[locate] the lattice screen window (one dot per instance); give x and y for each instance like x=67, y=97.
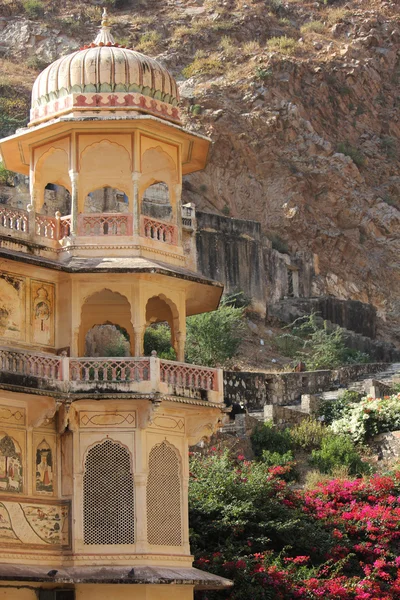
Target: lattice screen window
x=164, y=517
x=108, y=504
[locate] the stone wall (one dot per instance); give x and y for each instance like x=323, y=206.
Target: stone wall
x=254, y=390
x=387, y=445
x=230, y=250
x=235, y=252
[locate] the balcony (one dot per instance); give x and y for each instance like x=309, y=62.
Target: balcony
x=146, y=375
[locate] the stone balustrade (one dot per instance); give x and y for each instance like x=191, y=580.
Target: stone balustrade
x=147, y=375
x=93, y=225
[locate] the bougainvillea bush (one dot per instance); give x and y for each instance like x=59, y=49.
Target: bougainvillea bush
x=340, y=540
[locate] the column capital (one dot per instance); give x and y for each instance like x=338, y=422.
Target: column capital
x=136, y=175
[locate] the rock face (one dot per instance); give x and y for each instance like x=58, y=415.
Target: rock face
x=305, y=142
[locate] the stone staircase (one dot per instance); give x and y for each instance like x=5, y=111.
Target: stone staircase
x=362, y=385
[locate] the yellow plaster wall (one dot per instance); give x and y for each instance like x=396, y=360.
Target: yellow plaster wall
x=12, y=592
x=133, y=592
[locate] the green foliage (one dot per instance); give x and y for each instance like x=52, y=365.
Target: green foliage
x=34, y=8
x=389, y=145
x=369, y=417
x=236, y=299
x=158, y=338
x=282, y=44
x=267, y=437
x=289, y=344
x=148, y=41
x=263, y=73
x=313, y=26
x=212, y=338
x=337, y=451
x=196, y=110
x=36, y=63
x=226, y=210
x=309, y=434
x=234, y=506
x=355, y=154
x=331, y=410
x=6, y=177
x=203, y=64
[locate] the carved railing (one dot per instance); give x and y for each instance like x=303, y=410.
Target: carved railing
x=159, y=231
x=111, y=370
x=46, y=226
x=64, y=227
x=143, y=374
x=105, y=224
x=188, y=376
x=45, y=366
x=14, y=219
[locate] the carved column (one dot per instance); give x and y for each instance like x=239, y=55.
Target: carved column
x=74, y=201
x=138, y=340
x=180, y=346
x=135, y=200
x=140, y=482
x=185, y=513
x=178, y=198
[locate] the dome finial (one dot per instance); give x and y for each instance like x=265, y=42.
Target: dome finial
x=104, y=37
x=105, y=22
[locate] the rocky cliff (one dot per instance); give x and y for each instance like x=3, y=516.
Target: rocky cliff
x=301, y=100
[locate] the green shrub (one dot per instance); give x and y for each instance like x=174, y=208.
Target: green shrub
x=276, y=459
x=212, y=338
x=267, y=437
x=36, y=63
x=34, y=8
x=263, y=73
x=236, y=299
x=331, y=410
x=313, y=26
x=148, y=41
x=337, y=451
x=309, y=434
x=355, y=154
x=158, y=338
x=389, y=146
x=288, y=344
x=203, y=64
x=283, y=44
x=6, y=177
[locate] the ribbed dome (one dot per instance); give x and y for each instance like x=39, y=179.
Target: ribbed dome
x=116, y=76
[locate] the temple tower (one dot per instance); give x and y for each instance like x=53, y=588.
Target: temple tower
x=94, y=445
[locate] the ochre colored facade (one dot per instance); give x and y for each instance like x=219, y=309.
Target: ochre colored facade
x=94, y=449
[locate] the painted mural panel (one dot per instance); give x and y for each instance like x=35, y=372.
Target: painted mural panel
x=11, y=469
x=42, y=307
x=44, y=466
x=12, y=306
x=34, y=524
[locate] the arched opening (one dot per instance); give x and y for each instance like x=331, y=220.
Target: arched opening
x=108, y=499
x=105, y=307
x=57, y=198
x=162, y=326
x=52, y=175
x=156, y=202
x=104, y=164
x=106, y=199
x=107, y=340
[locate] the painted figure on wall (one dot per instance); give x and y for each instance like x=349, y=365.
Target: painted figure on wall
x=10, y=464
x=42, y=312
x=44, y=468
x=12, y=306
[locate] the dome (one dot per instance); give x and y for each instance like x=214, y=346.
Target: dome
x=104, y=77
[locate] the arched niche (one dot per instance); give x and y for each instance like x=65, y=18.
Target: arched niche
x=11, y=464
x=156, y=202
x=107, y=340
x=57, y=198
x=104, y=164
x=105, y=307
x=106, y=199
x=44, y=469
x=52, y=167
x=160, y=309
